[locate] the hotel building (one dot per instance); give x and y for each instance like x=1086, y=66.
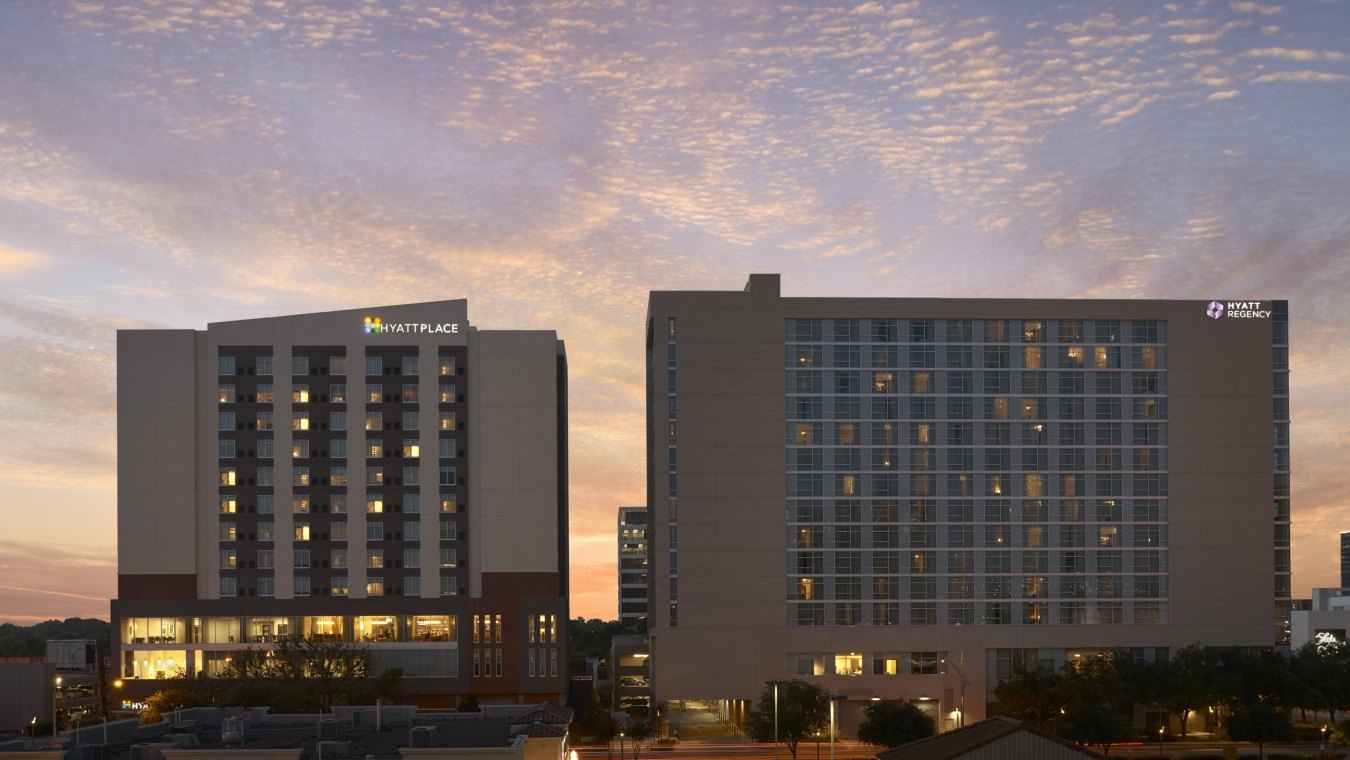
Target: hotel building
x=393, y=478
x=913, y=498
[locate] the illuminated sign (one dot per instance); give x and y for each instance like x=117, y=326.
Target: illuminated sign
x=1236, y=310
x=377, y=325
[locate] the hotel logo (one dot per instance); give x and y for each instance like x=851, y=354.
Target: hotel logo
x=1237, y=310
x=376, y=325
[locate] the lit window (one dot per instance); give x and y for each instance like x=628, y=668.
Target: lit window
x=374, y=503
x=264, y=420
x=339, y=586
x=848, y=664
x=300, y=421
x=226, y=394
x=338, y=477
x=411, y=449
x=300, y=504
x=447, y=420
x=375, y=558
x=374, y=420
x=264, y=393
x=410, y=394
x=301, y=531
x=299, y=476
x=300, y=448
x=228, y=561
x=448, y=503
x=374, y=392
x=227, y=476
x=337, y=393
x=227, y=531
x=375, y=586
x=300, y=393
x=447, y=365
x=447, y=394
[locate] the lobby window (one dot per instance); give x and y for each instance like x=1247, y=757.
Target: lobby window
x=925, y=663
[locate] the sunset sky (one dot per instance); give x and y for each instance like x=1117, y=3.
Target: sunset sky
x=170, y=164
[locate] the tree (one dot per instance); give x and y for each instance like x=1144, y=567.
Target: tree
x=1260, y=723
x=1087, y=724
x=1184, y=684
x=1034, y=696
x=890, y=724
x=591, y=638
x=639, y=730
x=469, y=704
x=802, y=710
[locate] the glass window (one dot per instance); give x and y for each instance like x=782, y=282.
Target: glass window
x=374, y=365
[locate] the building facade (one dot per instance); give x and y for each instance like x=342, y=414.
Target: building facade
x=913, y=498
x=1345, y=559
x=632, y=563
x=394, y=478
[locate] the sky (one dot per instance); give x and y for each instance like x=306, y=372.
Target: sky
x=175, y=163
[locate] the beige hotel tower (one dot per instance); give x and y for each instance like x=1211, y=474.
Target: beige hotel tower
x=393, y=478
x=910, y=498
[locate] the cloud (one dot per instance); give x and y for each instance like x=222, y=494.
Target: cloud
x=1222, y=95
x=14, y=261
x=1302, y=76
x=1250, y=7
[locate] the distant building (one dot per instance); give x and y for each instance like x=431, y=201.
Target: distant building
x=1327, y=618
x=633, y=566
x=73, y=654
x=631, y=671
x=1345, y=559
x=392, y=477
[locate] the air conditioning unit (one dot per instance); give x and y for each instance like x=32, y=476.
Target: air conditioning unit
x=332, y=730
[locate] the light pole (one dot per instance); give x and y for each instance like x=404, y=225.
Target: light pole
x=1161, y=729
x=55, y=719
x=620, y=745
x=961, y=712
x=775, y=720
x=833, y=698
x=1323, y=748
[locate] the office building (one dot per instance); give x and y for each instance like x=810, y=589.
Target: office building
x=633, y=567
x=393, y=477
x=1345, y=559
x=913, y=498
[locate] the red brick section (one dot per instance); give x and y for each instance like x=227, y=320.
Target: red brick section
x=182, y=586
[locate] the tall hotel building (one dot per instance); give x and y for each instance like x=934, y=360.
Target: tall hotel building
x=913, y=498
x=393, y=478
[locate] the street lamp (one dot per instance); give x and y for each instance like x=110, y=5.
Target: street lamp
x=54, y=715
x=961, y=712
x=775, y=720
x=1161, y=729
x=32, y=730
x=1324, y=739
x=833, y=698
x=620, y=745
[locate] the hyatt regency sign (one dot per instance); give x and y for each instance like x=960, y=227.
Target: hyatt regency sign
x=1237, y=310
